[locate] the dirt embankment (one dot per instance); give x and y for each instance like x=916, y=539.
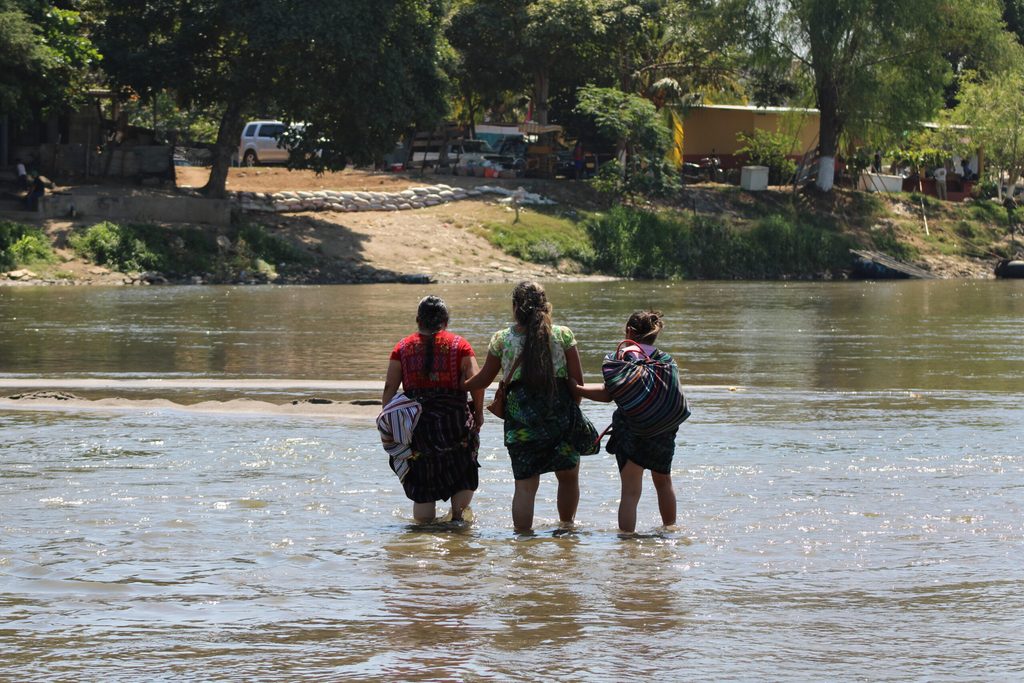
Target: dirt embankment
x=435, y=243
x=431, y=244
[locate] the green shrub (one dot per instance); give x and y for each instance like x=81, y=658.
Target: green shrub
x=32, y=248
x=22, y=244
x=262, y=245
x=182, y=250
x=789, y=248
x=609, y=182
x=767, y=148
x=713, y=250
x=126, y=247
x=643, y=244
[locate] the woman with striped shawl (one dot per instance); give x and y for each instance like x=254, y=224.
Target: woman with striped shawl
x=430, y=365
x=635, y=452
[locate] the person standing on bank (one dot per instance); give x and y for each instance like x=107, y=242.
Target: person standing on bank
x=430, y=365
x=22, y=173
x=544, y=428
x=940, y=181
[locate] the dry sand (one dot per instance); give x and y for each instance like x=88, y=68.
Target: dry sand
x=358, y=411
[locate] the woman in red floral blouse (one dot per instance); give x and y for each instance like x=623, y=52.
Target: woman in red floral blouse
x=429, y=365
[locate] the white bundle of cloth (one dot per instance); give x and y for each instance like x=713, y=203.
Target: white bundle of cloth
x=396, y=423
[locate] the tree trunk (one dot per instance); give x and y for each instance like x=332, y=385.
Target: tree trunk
x=541, y=86
x=829, y=128
x=228, y=135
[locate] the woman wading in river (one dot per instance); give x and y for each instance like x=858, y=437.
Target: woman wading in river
x=430, y=365
x=544, y=429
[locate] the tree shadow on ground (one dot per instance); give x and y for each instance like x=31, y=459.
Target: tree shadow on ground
x=336, y=253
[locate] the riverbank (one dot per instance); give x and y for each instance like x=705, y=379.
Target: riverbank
x=478, y=239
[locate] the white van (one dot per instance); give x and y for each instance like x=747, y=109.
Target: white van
x=260, y=143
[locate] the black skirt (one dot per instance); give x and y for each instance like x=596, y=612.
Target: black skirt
x=444, y=447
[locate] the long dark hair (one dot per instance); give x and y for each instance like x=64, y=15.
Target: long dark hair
x=533, y=312
x=645, y=326
x=432, y=317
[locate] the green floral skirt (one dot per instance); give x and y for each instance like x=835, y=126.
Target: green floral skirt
x=545, y=434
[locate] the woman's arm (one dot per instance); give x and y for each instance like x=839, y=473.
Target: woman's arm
x=486, y=375
x=392, y=381
x=595, y=392
x=574, y=366
x=469, y=369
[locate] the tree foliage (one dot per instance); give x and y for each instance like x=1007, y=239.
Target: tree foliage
x=357, y=72
x=872, y=63
x=46, y=56
x=545, y=49
x=643, y=141
x=990, y=115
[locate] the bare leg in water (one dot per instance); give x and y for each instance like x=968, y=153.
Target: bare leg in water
x=666, y=497
x=424, y=513
x=632, y=486
x=460, y=501
x=568, y=493
x=522, y=502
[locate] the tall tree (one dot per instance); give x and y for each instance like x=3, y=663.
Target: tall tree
x=357, y=72
x=871, y=62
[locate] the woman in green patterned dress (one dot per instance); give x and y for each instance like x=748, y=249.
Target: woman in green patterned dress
x=544, y=429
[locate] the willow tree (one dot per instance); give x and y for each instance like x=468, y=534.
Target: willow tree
x=869, y=63
x=990, y=116
x=358, y=73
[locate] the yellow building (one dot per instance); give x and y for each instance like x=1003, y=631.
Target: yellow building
x=712, y=129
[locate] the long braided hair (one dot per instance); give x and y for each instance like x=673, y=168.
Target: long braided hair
x=533, y=312
x=431, y=317
x=645, y=326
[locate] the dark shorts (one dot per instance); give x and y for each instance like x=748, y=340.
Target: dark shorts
x=653, y=453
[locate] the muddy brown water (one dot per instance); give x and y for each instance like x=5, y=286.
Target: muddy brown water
x=851, y=494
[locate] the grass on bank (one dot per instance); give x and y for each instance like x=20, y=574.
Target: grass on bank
x=540, y=236
x=751, y=236
x=183, y=251
x=976, y=229
x=23, y=245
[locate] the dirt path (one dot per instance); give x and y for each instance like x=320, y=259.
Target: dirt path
x=436, y=243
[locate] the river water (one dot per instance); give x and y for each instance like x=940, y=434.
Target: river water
x=851, y=494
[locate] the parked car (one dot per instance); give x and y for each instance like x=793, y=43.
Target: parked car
x=261, y=143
